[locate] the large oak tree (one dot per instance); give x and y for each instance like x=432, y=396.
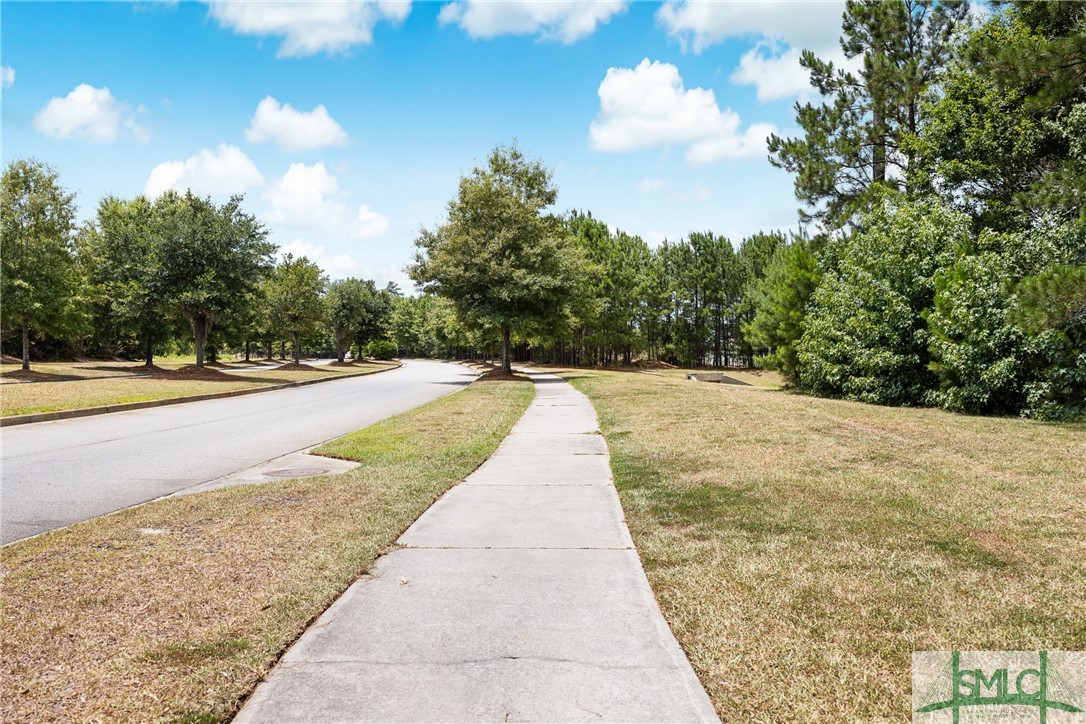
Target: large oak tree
x=505, y=263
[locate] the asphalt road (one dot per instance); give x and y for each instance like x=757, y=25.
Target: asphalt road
x=53, y=474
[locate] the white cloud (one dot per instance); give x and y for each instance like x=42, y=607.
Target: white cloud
x=701, y=192
x=781, y=28
x=294, y=130
x=561, y=20
x=368, y=224
x=648, y=185
x=309, y=28
x=226, y=170
x=775, y=73
x=336, y=266
x=7, y=76
x=308, y=198
x=89, y=114
x=799, y=23
x=648, y=106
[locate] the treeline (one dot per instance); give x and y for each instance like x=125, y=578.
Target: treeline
x=683, y=302
x=180, y=273
x=950, y=177
x=944, y=184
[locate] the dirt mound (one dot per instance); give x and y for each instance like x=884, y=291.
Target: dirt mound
x=192, y=372
x=7, y=359
x=295, y=367
x=337, y=363
x=497, y=374
x=138, y=369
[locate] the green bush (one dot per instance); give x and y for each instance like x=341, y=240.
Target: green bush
x=865, y=336
x=381, y=349
x=1001, y=323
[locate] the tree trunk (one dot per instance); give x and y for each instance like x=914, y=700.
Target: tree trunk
x=297, y=348
x=505, y=349
x=149, y=353
x=282, y=349
x=342, y=352
x=199, y=332
x=271, y=349
x=26, y=342
x=878, y=152
x=247, y=347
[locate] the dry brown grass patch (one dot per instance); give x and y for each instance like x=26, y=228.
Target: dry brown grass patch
x=802, y=548
x=176, y=609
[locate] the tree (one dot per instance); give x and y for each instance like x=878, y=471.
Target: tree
x=752, y=259
x=607, y=321
x=121, y=252
x=38, y=280
x=1008, y=139
x=213, y=258
x=504, y=263
x=865, y=336
x=378, y=306
x=348, y=304
x=863, y=136
x=295, y=299
x=780, y=301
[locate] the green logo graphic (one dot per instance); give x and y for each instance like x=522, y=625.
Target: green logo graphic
x=1014, y=684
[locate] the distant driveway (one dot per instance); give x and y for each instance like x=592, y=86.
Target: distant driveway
x=54, y=474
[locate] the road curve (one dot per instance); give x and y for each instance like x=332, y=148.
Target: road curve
x=57, y=473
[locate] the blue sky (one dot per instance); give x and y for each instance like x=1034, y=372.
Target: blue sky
x=347, y=124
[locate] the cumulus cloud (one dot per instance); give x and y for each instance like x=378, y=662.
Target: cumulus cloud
x=338, y=265
x=309, y=28
x=224, y=171
x=776, y=73
x=294, y=130
x=649, y=106
x=308, y=198
x=368, y=224
x=7, y=76
x=561, y=20
x=781, y=28
x=89, y=114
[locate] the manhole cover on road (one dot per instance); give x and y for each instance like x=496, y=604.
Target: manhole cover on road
x=295, y=472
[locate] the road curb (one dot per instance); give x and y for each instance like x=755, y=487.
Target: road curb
x=107, y=409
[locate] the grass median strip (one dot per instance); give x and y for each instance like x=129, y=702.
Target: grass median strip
x=98, y=389
x=803, y=548
x=174, y=610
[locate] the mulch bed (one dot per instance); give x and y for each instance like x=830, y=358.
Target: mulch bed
x=497, y=374
x=295, y=367
x=192, y=372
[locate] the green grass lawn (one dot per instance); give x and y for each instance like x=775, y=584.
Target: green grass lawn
x=96, y=384
x=803, y=548
x=174, y=610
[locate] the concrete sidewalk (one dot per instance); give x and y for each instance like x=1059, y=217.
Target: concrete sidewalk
x=517, y=597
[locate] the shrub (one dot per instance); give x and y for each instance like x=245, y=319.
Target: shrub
x=381, y=349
